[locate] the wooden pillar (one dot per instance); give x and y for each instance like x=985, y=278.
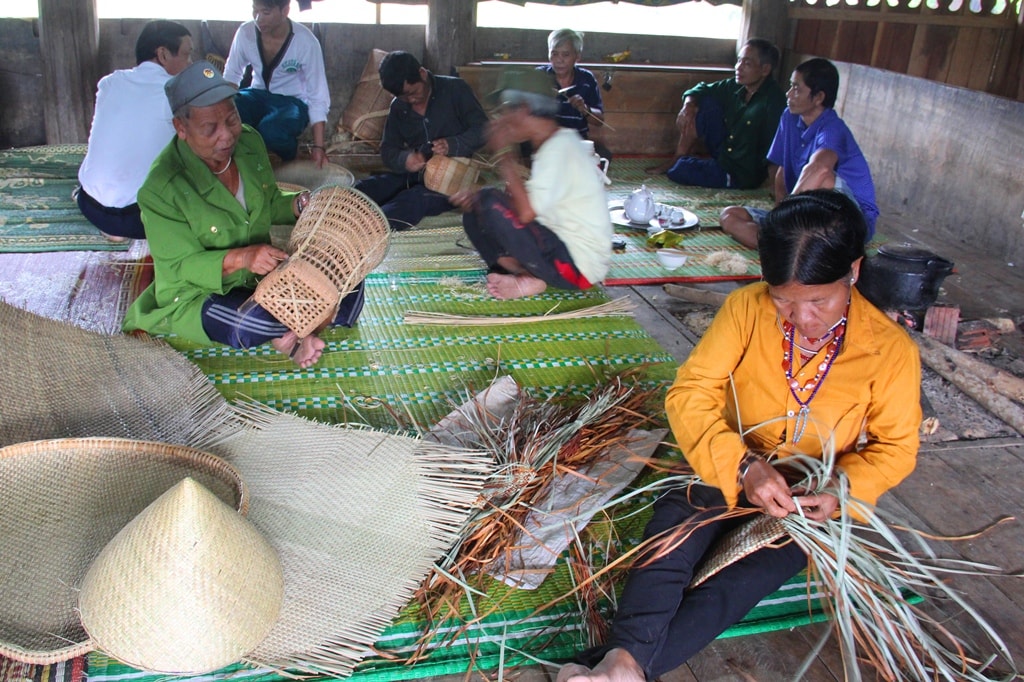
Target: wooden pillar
x=69, y=36
x=451, y=27
x=766, y=19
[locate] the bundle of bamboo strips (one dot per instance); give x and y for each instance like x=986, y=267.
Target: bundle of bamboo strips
x=538, y=442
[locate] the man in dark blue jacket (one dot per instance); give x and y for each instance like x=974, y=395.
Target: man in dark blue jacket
x=430, y=115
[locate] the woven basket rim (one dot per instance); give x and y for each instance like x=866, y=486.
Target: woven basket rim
x=188, y=456
x=747, y=538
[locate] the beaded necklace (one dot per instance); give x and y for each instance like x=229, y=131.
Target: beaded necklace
x=813, y=384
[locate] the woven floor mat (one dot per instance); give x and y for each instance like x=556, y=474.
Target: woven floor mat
x=73, y=670
x=428, y=250
x=383, y=369
x=37, y=212
x=639, y=264
x=437, y=244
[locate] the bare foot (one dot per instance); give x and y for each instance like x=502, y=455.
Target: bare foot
x=514, y=286
x=304, y=352
x=616, y=666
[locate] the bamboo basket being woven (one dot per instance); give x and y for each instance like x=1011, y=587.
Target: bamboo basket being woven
x=366, y=110
x=760, y=532
x=451, y=174
x=340, y=238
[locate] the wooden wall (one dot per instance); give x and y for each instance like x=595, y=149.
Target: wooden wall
x=640, y=106
x=979, y=51
x=346, y=48
x=944, y=159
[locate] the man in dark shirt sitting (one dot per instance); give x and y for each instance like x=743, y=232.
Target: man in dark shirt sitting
x=735, y=119
x=429, y=115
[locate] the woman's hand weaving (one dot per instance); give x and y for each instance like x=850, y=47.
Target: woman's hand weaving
x=817, y=507
x=766, y=488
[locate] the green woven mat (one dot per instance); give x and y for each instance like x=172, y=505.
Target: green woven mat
x=383, y=368
x=37, y=212
x=428, y=249
x=638, y=263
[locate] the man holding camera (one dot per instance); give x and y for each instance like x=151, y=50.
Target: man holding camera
x=429, y=115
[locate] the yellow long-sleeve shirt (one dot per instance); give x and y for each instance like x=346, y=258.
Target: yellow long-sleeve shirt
x=872, y=388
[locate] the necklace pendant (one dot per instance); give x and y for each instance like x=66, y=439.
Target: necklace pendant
x=801, y=424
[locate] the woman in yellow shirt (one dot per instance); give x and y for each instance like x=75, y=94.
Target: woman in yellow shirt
x=803, y=344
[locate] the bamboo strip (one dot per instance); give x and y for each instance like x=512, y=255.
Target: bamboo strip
x=616, y=307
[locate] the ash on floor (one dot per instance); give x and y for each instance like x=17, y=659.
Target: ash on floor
x=959, y=417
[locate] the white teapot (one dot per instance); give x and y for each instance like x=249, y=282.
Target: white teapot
x=639, y=206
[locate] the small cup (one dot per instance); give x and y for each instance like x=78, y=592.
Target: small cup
x=671, y=259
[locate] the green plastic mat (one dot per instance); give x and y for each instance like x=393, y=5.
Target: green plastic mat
x=383, y=369
x=429, y=249
x=515, y=636
x=37, y=212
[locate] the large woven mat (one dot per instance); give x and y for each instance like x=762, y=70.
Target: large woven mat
x=36, y=209
x=383, y=370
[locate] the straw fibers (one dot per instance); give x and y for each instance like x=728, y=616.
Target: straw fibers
x=340, y=238
x=62, y=501
x=187, y=587
x=534, y=444
x=357, y=516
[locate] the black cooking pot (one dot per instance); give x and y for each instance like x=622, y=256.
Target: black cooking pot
x=902, y=277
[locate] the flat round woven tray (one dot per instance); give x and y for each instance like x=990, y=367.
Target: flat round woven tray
x=306, y=174
x=61, y=502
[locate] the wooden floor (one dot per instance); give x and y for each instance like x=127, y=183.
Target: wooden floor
x=958, y=486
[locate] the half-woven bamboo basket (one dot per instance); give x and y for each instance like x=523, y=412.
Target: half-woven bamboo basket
x=340, y=238
x=63, y=500
x=451, y=174
x=365, y=113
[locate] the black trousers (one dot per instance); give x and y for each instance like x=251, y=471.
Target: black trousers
x=661, y=622
x=495, y=231
x=404, y=198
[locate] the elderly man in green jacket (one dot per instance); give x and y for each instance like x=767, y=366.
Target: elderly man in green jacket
x=207, y=206
x=734, y=120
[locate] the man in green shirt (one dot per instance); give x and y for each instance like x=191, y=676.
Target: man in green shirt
x=735, y=119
